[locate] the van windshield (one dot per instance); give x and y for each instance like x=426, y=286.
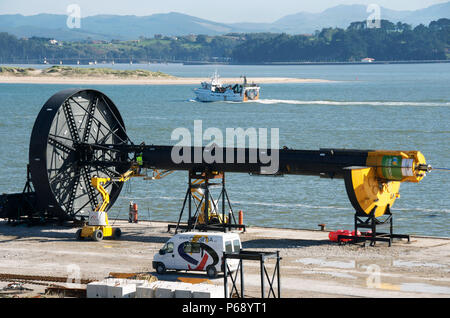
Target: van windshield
x=168, y=247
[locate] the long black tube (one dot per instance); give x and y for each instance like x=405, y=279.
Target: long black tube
x=324, y=162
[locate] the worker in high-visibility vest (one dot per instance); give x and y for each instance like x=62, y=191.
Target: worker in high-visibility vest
x=139, y=159
x=139, y=162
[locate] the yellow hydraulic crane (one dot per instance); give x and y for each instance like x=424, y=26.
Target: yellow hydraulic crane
x=98, y=226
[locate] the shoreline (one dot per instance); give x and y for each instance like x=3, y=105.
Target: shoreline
x=349, y=63
x=149, y=81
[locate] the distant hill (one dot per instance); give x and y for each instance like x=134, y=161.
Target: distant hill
x=342, y=15
x=390, y=42
x=109, y=27
x=48, y=26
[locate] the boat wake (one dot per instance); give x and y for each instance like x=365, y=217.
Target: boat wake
x=350, y=103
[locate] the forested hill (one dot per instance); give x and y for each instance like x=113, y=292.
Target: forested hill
x=390, y=42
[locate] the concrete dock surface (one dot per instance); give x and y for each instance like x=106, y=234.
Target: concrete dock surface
x=311, y=265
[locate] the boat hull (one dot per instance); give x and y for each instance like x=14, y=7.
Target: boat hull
x=205, y=95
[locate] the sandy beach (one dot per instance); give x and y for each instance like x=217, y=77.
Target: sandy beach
x=146, y=81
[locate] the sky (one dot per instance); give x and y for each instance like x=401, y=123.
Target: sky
x=226, y=11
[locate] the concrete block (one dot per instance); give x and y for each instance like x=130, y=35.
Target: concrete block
x=123, y=281
x=121, y=291
x=208, y=291
x=217, y=291
x=113, y=288
x=184, y=290
x=165, y=290
x=123, y=288
x=137, y=282
x=97, y=290
x=200, y=291
x=146, y=290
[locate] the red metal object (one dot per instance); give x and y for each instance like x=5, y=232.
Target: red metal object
x=241, y=217
x=135, y=212
x=334, y=236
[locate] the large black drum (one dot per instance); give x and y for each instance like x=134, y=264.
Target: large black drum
x=61, y=180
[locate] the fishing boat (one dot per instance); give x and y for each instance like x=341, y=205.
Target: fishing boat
x=215, y=91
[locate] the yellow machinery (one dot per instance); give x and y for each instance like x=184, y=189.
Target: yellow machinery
x=204, y=211
x=198, y=193
x=374, y=187
x=60, y=159
x=98, y=226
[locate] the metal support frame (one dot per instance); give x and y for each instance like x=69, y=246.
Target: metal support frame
x=254, y=256
x=372, y=223
x=198, y=208
x=21, y=207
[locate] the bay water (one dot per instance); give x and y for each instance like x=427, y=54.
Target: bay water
x=391, y=107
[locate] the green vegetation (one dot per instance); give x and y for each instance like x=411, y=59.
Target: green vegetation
x=16, y=71
x=390, y=42
x=99, y=72
x=67, y=71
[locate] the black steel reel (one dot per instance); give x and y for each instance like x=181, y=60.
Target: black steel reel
x=59, y=168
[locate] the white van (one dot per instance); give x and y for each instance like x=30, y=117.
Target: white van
x=198, y=251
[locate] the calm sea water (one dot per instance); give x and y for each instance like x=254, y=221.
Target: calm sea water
x=395, y=107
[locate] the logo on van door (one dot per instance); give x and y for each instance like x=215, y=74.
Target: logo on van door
x=195, y=247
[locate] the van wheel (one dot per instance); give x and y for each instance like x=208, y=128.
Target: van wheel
x=98, y=235
x=160, y=268
x=211, y=271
